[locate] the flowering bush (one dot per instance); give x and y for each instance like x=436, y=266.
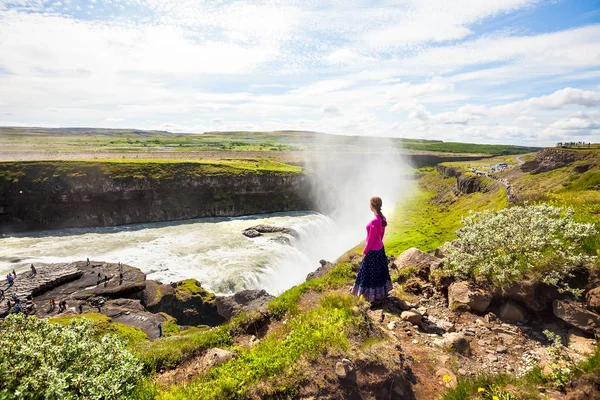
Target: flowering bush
x=523, y=242
x=40, y=360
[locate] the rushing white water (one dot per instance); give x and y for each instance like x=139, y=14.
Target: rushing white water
x=212, y=250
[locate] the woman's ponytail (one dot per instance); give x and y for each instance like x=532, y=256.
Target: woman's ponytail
x=376, y=203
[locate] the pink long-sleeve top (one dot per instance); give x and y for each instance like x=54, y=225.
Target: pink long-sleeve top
x=375, y=232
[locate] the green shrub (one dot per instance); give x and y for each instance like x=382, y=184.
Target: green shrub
x=40, y=360
x=538, y=242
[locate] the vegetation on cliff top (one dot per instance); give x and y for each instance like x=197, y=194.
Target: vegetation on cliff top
x=41, y=171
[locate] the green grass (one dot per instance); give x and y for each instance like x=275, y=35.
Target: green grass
x=275, y=360
x=42, y=171
x=168, y=352
x=431, y=216
x=287, y=302
x=104, y=325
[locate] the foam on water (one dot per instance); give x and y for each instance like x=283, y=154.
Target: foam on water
x=212, y=250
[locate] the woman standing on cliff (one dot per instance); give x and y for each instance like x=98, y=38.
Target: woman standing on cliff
x=373, y=280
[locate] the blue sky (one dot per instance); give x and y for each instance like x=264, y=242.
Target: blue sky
x=503, y=71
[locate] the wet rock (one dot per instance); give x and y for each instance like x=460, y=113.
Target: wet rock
x=258, y=230
x=577, y=316
x=246, y=300
x=411, y=316
x=186, y=301
x=216, y=356
x=131, y=312
x=282, y=240
x=593, y=299
x=455, y=342
x=325, y=267
x=511, y=311
x=465, y=295
x=421, y=263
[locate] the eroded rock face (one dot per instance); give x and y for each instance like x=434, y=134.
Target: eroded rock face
x=466, y=295
x=422, y=263
x=536, y=296
x=550, y=159
x=576, y=315
x=246, y=300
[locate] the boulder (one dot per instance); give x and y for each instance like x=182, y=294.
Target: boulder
x=325, y=267
x=465, y=295
x=454, y=341
x=421, y=263
x=411, y=316
x=576, y=315
x=442, y=251
x=579, y=344
x=216, y=356
x=246, y=300
x=513, y=312
x=186, y=301
x=536, y=296
x=593, y=299
x=344, y=368
x=446, y=377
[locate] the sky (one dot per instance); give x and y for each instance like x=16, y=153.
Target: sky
x=522, y=72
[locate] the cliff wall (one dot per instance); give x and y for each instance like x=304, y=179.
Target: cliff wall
x=43, y=195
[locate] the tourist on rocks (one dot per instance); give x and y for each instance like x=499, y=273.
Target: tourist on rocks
x=80, y=308
x=62, y=306
x=33, y=270
x=373, y=280
x=10, y=279
x=105, y=280
x=52, y=304
x=99, y=278
x=1, y=294
x=88, y=261
x=15, y=274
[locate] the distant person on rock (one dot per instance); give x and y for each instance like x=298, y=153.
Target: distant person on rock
x=10, y=279
x=88, y=261
x=15, y=274
x=62, y=306
x=99, y=278
x=1, y=294
x=373, y=280
x=80, y=308
x=33, y=270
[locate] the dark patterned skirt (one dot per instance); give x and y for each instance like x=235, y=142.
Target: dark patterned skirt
x=373, y=279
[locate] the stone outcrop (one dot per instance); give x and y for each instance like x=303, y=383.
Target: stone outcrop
x=186, y=301
x=422, y=263
x=576, y=315
x=258, y=230
x=536, y=296
x=454, y=341
x=84, y=194
x=320, y=272
x=246, y=300
x=550, y=159
x=466, y=295
x=465, y=182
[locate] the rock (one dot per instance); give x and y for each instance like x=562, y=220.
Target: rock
x=258, y=230
x=581, y=168
x=421, y=263
x=492, y=357
x=576, y=315
x=246, y=300
x=464, y=294
x=422, y=310
x=578, y=343
x=376, y=315
x=536, y=296
x=216, y=356
x=325, y=267
x=251, y=233
x=511, y=311
x=442, y=251
x=593, y=299
x=550, y=159
x=186, y=301
x=455, y=342
x=446, y=377
x=501, y=349
x=131, y=312
x=392, y=325
x=435, y=323
x=344, y=368
x=462, y=371
x=413, y=286
x=411, y=316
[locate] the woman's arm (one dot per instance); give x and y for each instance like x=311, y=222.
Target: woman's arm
x=371, y=238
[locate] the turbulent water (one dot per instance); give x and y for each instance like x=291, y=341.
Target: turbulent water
x=212, y=250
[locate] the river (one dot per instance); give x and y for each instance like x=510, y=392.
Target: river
x=211, y=250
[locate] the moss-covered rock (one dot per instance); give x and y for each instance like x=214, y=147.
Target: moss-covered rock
x=186, y=301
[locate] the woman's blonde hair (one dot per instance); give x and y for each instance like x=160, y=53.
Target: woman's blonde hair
x=376, y=203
